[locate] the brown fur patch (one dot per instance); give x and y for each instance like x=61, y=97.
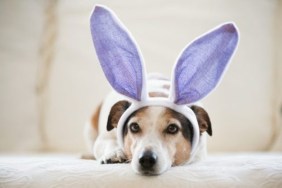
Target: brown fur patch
x=161, y=94
x=166, y=86
x=127, y=147
x=182, y=143
x=116, y=112
x=95, y=117
x=158, y=94
x=182, y=154
x=203, y=119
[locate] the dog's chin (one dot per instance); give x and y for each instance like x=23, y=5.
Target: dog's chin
x=148, y=173
x=152, y=172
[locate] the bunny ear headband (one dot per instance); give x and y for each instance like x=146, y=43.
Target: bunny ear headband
x=197, y=70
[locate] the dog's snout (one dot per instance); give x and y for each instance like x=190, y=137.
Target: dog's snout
x=148, y=159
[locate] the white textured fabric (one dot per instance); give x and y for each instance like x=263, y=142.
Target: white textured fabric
x=232, y=170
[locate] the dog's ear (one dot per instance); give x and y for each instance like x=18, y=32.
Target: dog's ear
x=116, y=112
x=203, y=119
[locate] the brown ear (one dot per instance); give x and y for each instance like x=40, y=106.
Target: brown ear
x=116, y=112
x=203, y=119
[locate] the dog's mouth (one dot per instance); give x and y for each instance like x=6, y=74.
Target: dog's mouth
x=148, y=172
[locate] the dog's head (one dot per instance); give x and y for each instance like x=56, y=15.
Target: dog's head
x=156, y=137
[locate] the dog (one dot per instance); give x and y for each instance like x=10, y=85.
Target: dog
x=155, y=137
x=148, y=120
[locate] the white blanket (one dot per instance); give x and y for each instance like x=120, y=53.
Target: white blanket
x=225, y=170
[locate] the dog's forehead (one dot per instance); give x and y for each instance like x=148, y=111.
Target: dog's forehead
x=148, y=113
x=155, y=113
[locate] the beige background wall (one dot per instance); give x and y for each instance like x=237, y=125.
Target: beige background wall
x=50, y=80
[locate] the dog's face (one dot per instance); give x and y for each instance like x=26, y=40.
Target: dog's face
x=156, y=138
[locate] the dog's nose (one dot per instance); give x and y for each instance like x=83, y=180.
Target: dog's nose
x=148, y=159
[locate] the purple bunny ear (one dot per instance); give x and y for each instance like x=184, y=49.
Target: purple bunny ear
x=117, y=53
x=202, y=63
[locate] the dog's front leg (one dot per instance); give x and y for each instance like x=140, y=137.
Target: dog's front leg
x=106, y=150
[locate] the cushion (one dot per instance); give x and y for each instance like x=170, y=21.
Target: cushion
x=218, y=170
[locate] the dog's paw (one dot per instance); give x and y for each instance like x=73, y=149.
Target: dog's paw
x=116, y=156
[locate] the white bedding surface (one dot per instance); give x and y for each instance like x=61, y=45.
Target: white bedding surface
x=224, y=170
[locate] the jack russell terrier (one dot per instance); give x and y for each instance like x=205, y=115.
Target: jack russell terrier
x=150, y=121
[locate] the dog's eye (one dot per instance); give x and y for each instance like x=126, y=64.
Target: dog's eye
x=172, y=129
x=134, y=127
